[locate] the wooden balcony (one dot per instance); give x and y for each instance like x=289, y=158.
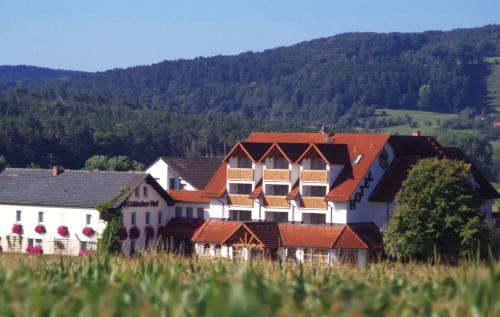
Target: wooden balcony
x=313, y=202
x=276, y=201
x=314, y=176
x=276, y=175
x=240, y=174
x=240, y=200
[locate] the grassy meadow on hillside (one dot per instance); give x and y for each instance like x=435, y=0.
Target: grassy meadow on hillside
x=166, y=285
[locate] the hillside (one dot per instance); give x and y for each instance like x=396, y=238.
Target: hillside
x=202, y=106
x=10, y=75
x=318, y=80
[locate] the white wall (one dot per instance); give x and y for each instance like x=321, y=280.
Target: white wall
x=73, y=218
x=162, y=173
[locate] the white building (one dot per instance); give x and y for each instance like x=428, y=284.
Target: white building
x=313, y=181
x=54, y=211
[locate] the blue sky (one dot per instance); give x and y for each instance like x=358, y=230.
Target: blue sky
x=98, y=35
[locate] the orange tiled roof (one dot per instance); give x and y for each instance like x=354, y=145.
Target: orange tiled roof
x=287, y=137
x=308, y=236
x=294, y=193
x=216, y=231
x=368, y=145
x=189, y=196
x=216, y=187
x=257, y=191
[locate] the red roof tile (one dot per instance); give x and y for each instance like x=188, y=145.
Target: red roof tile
x=367, y=233
x=390, y=184
x=215, y=231
x=287, y=137
x=182, y=228
x=307, y=236
x=267, y=232
x=189, y=196
x=257, y=191
x=294, y=193
x=216, y=187
x=368, y=145
x=254, y=151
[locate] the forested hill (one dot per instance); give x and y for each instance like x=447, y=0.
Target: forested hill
x=10, y=75
x=316, y=80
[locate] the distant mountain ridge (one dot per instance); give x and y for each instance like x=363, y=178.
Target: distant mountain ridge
x=13, y=74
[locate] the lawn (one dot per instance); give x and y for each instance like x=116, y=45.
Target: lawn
x=166, y=285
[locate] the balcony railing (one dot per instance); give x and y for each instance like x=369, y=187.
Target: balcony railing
x=276, y=201
x=240, y=200
x=314, y=202
x=276, y=175
x=314, y=176
x=241, y=174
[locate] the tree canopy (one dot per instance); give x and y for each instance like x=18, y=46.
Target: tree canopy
x=114, y=163
x=437, y=210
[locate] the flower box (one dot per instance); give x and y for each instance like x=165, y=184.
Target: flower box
x=17, y=229
x=88, y=232
x=122, y=234
x=63, y=231
x=86, y=252
x=134, y=233
x=40, y=229
x=34, y=250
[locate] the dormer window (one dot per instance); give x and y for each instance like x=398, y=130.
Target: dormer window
x=358, y=159
x=318, y=164
x=244, y=162
x=280, y=163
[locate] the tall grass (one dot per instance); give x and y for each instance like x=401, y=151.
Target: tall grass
x=166, y=285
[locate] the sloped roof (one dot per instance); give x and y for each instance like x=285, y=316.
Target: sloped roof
x=71, y=188
x=392, y=180
x=359, y=236
x=294, y=193
x=216, y=187
x=197, y=171
x=182, y=228
x=215, y=231
x=267, y=232
x=189, y=196
x=367, y=145
x=309, y=236
x=257, y=191
x=287, y=137
x=253, y=151
x=290, y=151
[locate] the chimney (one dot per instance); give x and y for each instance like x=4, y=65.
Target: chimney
x=57, y=170
x=416, y=133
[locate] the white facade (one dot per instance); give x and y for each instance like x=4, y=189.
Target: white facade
x=143, y=201
x=167, y=177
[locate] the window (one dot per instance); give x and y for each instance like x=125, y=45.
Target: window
x=240, y=215
x=244, y=162
x=291, y=254
x=240, y=189
x=35, y=243
x=318, y=164
x=145, y=191
x=317, y=218
x=178, y=211
x=132, y=219
x=40, y=216
x=171, y=183
x=159, y=217
x=280, y=163
x=218, y=250
x=121, y=218
x=148, y=217
x=200, y=213
x=137, y=192
x=189, y=212
x=357, y=159
x=88, y=219
x=278, y=217
x=18, y=215
x=277, y=190
x=88, y=246
x=316, y=256
x=132, y=247
x=181, y=186
x=206, y=249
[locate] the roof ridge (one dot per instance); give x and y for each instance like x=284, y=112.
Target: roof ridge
x=76, y=170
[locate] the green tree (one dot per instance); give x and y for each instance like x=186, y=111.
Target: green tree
x=114, y=163
x=437, y=210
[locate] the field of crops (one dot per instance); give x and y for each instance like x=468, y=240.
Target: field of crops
x=165, y=285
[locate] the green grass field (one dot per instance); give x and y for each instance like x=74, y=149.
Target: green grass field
x=166, y=285
x=420, y=117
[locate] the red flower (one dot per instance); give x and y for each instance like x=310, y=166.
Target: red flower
x=88, y=231
x=122, y=234
x=40, y=229
x=63, y=231
x=134, y=233
x=34, y=250
x=17, y=229
x=150, y=232
x=86, y=252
